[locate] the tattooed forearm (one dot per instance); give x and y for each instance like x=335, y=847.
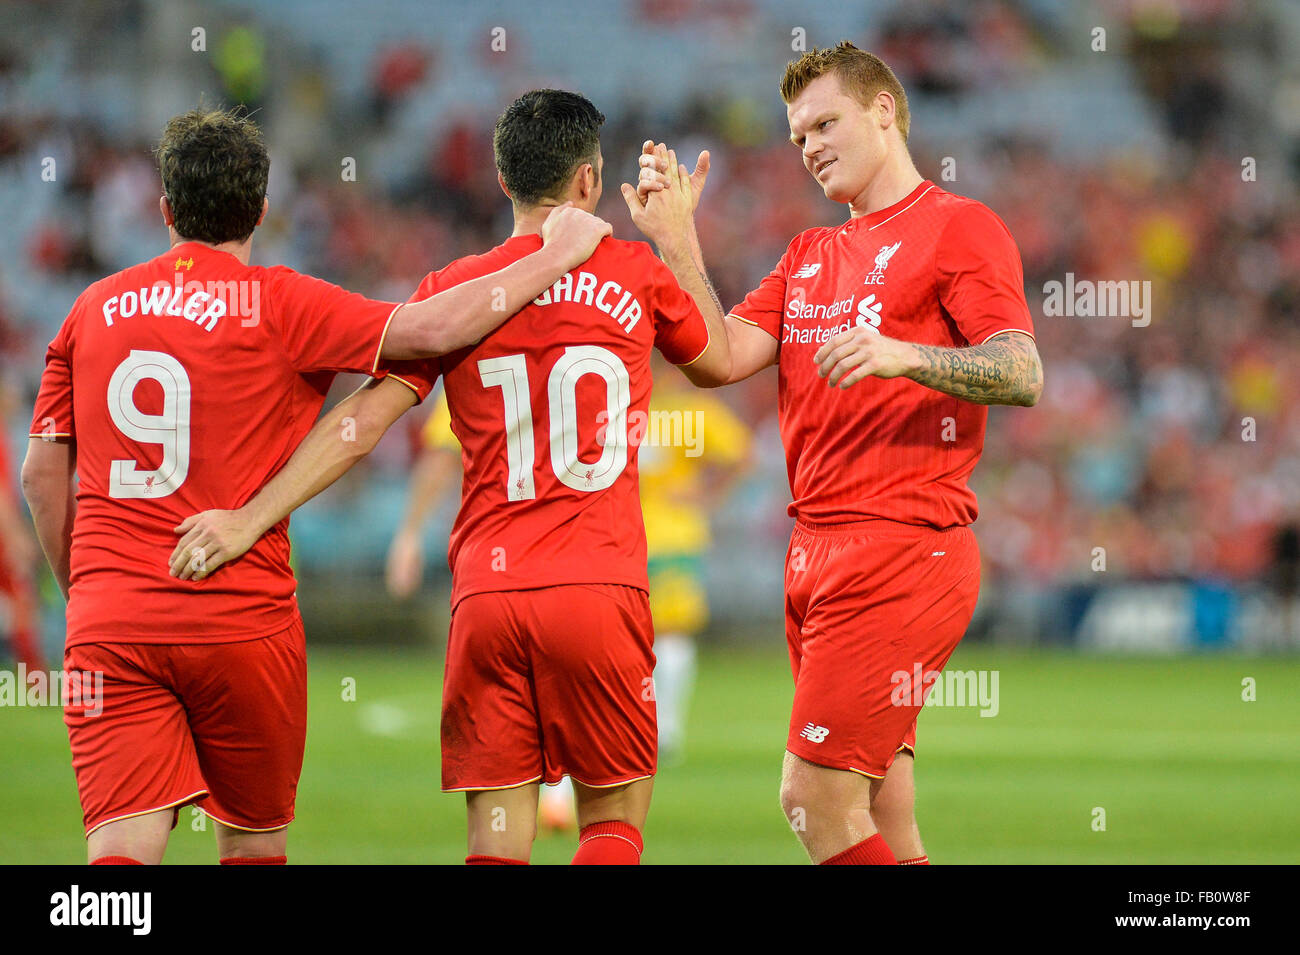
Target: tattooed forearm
x=708, y=285
x=685, y=260
x=1005, y=370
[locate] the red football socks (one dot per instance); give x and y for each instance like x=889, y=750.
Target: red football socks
x=919, y=860
x=255, y=860
x=609, y=843
x=116, y=860
x=493, y=860
x=871, y=851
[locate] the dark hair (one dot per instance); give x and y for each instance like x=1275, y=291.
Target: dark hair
x=540, y=141
x=214, y=167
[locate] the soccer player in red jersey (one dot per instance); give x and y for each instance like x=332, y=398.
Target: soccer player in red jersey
x=549, y=658
x=891, y=332
x=184, y=383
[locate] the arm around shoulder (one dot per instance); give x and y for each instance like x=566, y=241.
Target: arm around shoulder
x=462, y=315
x=342, y=437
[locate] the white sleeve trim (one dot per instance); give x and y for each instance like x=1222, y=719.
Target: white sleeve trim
x=1018, y=331
x=374, y=367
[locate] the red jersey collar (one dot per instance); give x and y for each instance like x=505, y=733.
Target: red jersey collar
x=530, y=237
x=191, y=249
x=880, y=215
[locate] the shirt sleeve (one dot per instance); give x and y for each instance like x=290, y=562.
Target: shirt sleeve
x=765, y=305
x=681, y=333
x=981, y=280
x=327, y=328
x=420, y=375
x=53, y=417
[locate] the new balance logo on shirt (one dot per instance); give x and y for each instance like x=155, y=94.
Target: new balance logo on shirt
x=813, y=733
x=808, y=271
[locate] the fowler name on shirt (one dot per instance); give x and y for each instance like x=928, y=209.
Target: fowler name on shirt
x=198, y=302
x=612, y=299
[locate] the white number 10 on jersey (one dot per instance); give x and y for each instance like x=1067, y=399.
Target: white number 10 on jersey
x=510, y=374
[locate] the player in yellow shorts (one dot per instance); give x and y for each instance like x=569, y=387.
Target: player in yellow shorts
x=694, y=451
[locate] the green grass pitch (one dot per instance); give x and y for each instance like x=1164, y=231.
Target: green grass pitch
x=1185, y=770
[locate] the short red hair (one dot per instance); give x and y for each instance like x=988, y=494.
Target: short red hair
x=862, y=75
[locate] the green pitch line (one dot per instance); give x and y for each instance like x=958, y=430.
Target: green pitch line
x=1184, y=769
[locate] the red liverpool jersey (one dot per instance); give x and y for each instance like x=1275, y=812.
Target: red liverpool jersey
x=935, y=269
x=550, y=409
x=186, y=382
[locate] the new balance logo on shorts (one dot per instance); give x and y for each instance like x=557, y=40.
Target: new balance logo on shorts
x=808, y=271
x=813, y=733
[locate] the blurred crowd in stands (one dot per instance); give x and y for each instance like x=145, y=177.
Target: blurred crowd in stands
x=1174, y=445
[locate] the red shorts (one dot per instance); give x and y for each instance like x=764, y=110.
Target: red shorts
x=866, y=602
x=546, y=683
x=185, y=723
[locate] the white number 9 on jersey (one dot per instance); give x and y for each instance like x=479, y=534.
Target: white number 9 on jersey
x=171, y=429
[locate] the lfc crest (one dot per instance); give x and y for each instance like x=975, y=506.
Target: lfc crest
x=877, y=275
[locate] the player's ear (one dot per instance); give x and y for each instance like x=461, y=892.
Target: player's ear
x=266, y=204
x=885, y=109
x=165, y=207
x=587, y=179
x=502, y=183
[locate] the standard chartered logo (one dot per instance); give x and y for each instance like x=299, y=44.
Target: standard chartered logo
x=869, y=313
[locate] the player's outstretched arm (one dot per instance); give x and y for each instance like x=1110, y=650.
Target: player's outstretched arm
x=667, y=219
x=671, y=227
x=47, y=477
x=1005, y=370
x=342, y=437
x=461, y=316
